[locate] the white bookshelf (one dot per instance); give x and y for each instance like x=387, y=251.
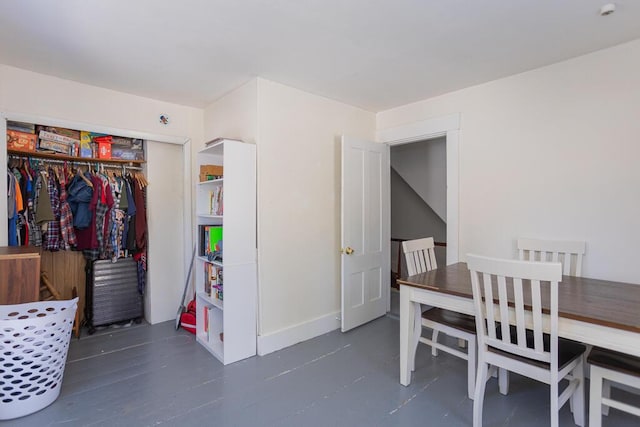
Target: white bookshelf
x=235, y=315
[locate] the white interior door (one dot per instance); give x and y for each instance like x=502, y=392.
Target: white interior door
x=365, y=231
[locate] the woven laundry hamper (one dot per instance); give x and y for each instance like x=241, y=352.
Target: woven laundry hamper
x=34, y=339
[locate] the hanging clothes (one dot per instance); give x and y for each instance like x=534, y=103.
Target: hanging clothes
x=12, y=213
x=117, y=221
x=141, y=217
x=66, y=218
x=52, y=235
x=22, y=222
x=124, y=206
x=106, y=248
x=130, y=226
x=100, y=214
x=79, y=197
x=44, y=213
x=140, y=233
x=87, y=238
x=35, y=234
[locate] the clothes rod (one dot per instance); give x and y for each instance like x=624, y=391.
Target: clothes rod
x=75, y=162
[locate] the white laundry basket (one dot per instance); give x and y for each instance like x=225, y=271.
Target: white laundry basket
x=34, y=339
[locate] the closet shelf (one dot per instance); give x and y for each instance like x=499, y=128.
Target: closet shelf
x=203, y=215
x=216, y=263
x=72, y=158
x=210, y=300
x=212, y=181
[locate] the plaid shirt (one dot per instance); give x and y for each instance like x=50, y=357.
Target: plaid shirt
x=52, y=241
x=103, y=219
x=35, y=234
x=66, y=220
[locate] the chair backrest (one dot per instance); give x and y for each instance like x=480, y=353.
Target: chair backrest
x=554, y=251
x=516, y=288
x=420, y=255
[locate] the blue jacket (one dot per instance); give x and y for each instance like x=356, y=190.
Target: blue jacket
x=79, y=197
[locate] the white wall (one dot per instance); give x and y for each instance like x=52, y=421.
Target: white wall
x=551, y=153
x=299, y=210
x=33, y=94
x=298, y=168
x=38, y=94
x=234, y=115
x=423, y=165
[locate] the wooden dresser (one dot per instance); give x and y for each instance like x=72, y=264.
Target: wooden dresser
x=19, y=274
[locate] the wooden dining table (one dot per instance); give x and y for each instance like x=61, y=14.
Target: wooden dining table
x=602, y=313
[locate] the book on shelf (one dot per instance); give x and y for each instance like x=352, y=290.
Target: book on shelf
x=218, y=285
x=56, y=147
x=211, y=242
x=207, y=278
x=212, y=280
x=206, y=320
x=69, y=133
x=50, y=136
x=216, y=201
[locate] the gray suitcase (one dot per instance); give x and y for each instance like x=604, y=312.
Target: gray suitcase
x=113, y=293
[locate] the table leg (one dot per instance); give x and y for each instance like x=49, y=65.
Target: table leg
x=406, y=331
x=415, y=339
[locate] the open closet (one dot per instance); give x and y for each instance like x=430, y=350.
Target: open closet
x=80, y=197
x=66, y=268
x=93, y=208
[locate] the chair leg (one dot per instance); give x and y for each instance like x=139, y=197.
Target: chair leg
x=606, y=392
x=478, y=397
x=471, y=368
x=595, y=398
x=417, y=331
x=503, y=381
x=577, y=398
x=434, y=338
x=555, y=409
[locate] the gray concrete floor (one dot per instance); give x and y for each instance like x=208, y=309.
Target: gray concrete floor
x=152, y=375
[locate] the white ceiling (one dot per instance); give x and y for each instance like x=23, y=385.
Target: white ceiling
x=374, y=54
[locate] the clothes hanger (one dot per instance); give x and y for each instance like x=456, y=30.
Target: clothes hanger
x=54, y=170
x=26, y=168
x=142, y=181
x=84, y=178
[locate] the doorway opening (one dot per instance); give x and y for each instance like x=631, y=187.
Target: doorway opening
x=366, y=219
x=418, y=187
x=446, y=130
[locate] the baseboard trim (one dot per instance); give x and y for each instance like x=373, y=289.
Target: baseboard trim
x=286, y=337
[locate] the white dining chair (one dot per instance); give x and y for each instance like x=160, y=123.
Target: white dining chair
x=568, y=253
x=529, y=352
x=420, y=257
x=609, y=367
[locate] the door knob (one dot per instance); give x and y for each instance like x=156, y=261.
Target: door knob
x=348, y=250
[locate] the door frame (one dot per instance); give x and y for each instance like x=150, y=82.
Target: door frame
x=185, y=142
x=449, y=127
